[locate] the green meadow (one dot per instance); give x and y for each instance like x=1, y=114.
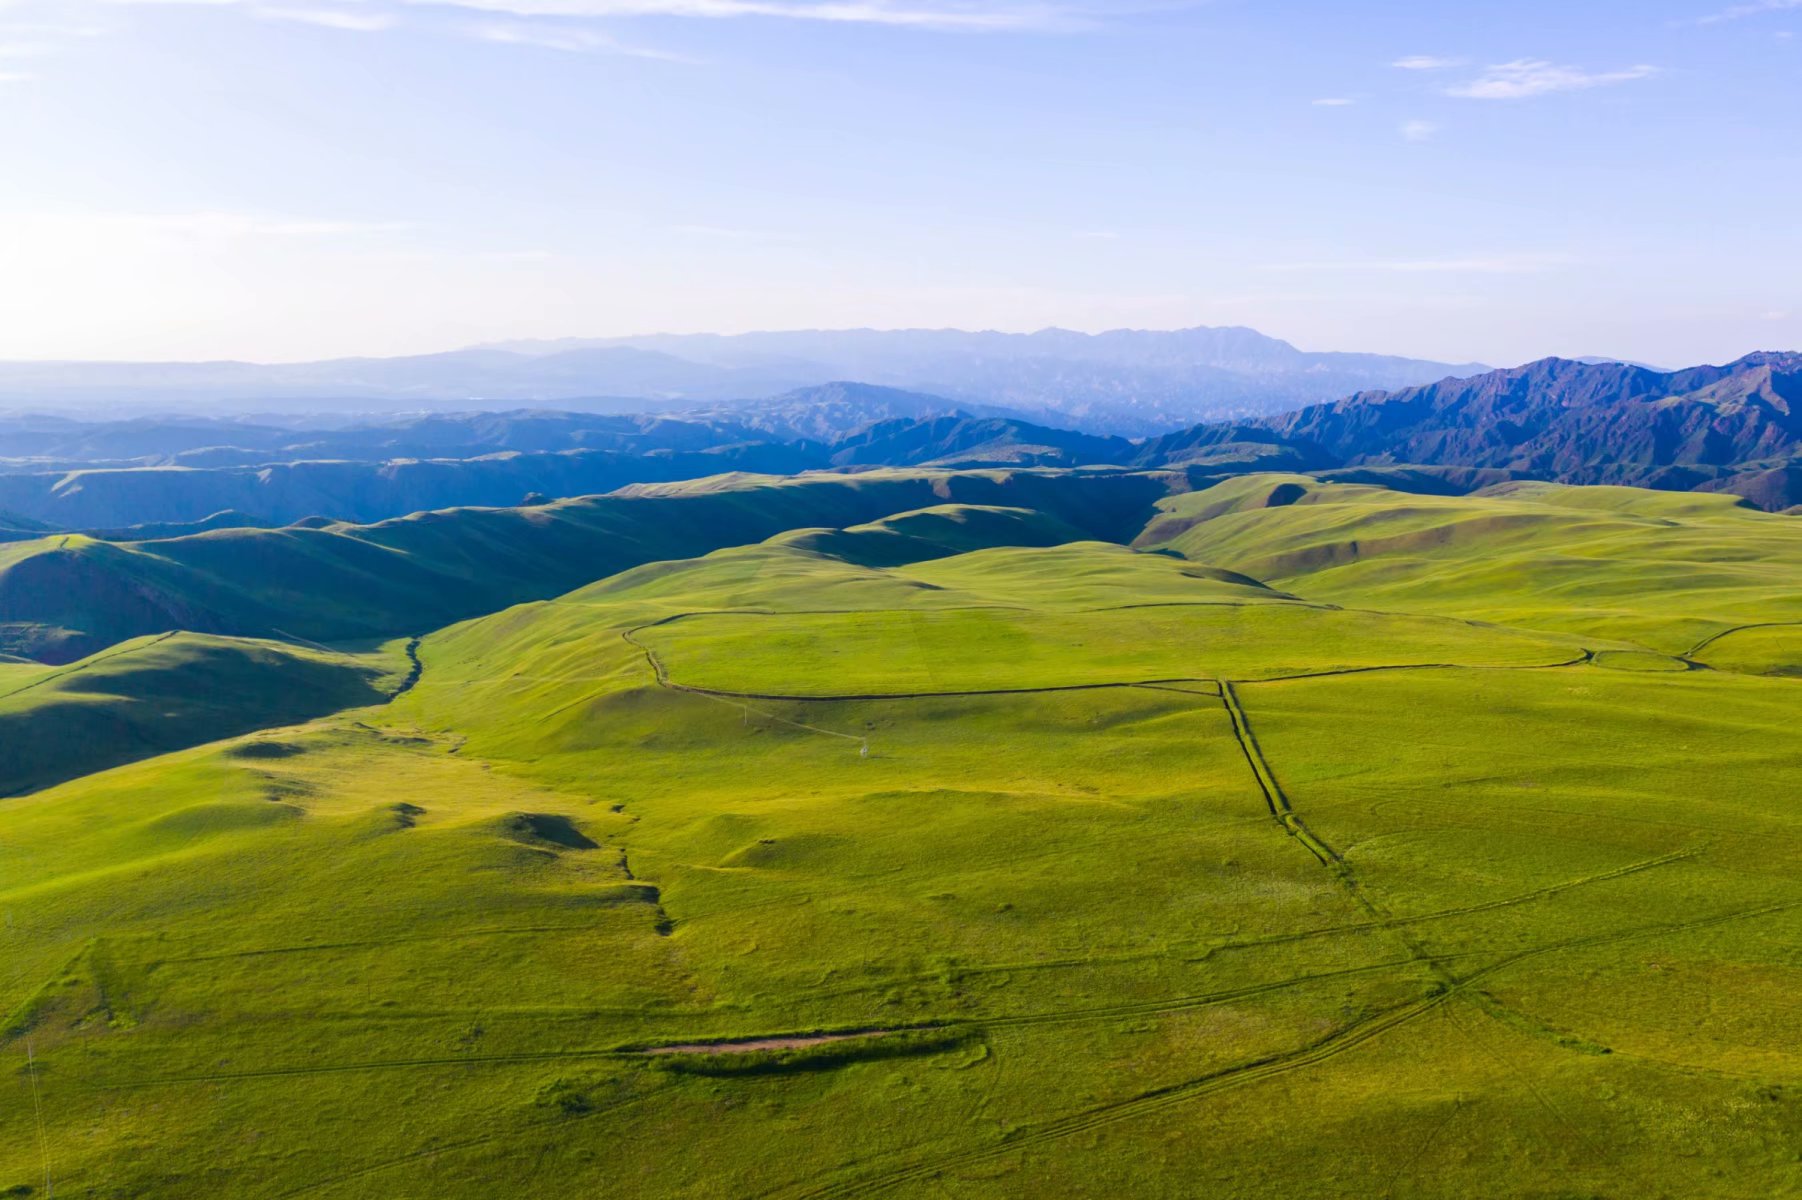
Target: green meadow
x=1065, y=836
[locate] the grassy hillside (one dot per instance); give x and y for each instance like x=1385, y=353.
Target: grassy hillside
x=166, y=692
x=1364, y=861
x=278, y=488
x=66, y=596
x=860, y=653
x=1665, y=569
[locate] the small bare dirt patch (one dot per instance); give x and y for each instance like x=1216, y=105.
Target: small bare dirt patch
x=754, y=1045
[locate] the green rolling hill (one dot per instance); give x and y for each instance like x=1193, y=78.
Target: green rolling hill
x=1665, y=569
x=915, y=834
x=64, y=596
x=150, y=695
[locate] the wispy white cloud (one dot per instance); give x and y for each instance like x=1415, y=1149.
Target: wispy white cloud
x=37, y=29
x=331, y=18
x=728, y=233
x=1334, y=102
x=1419, y=131
x=1098, y=235
x=1740, y=12
x=1528, y=77
x=16, y=77
x=1475, y=264
x=565, y=38
x=953, y=15
x=1427, y=62
x=217, y=224
x=24, y=49
x=972, y=16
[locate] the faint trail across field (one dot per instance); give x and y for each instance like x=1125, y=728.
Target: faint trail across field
x=1274, y=799
x=927, y=1166
x=1712, y=638
x=662, y=673
x=91, y=662
x=1142, y=1105
x=663, y=678
x=37, y=1108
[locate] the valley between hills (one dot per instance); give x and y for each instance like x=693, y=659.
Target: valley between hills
x=1025, y=831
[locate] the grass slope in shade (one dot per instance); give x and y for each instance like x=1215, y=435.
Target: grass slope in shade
x=156, y=694
x=1500, y=928
x=64, y=597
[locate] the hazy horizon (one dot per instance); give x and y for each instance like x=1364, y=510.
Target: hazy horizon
x=306, y=179
x=505, y=344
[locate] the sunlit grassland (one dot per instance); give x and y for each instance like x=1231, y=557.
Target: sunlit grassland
x=1665, y=570
x=1758, y=650
x=1544, y=943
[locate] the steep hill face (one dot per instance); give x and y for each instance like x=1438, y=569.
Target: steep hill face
x=1584, y=423
x=31, y=444
x=65, y=597
x=1231, y=447
x=833, y=411
x=170, y=691
x=279, y=493
x=497, y=460
x=957, y=441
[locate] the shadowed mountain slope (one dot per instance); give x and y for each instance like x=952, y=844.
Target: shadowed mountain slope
x=373, y=473
x=960, y=441
x=66, y=596
x=1585, y=423
x=278, y=493
x=156, y=694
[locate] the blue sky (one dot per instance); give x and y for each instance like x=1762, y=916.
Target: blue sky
x=285, y=179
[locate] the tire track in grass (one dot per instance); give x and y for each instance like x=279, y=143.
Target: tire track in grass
x=1142, y=1105
x=1712, y=638
x=654, y=1046
x=1457, y=987
x=1155, y=1008
x=368, y=943
x=1438, y=965
x=664, y=679
x=1274, y=798
x=1487, y=1003
x=1256, y=1070
x=1581, y=660
x=389, y=1064
x=429, y=1152
x=1202, y=951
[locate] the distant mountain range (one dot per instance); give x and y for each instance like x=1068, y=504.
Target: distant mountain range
x=1127, y=382
x=116, y=478
x=1734, y=428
